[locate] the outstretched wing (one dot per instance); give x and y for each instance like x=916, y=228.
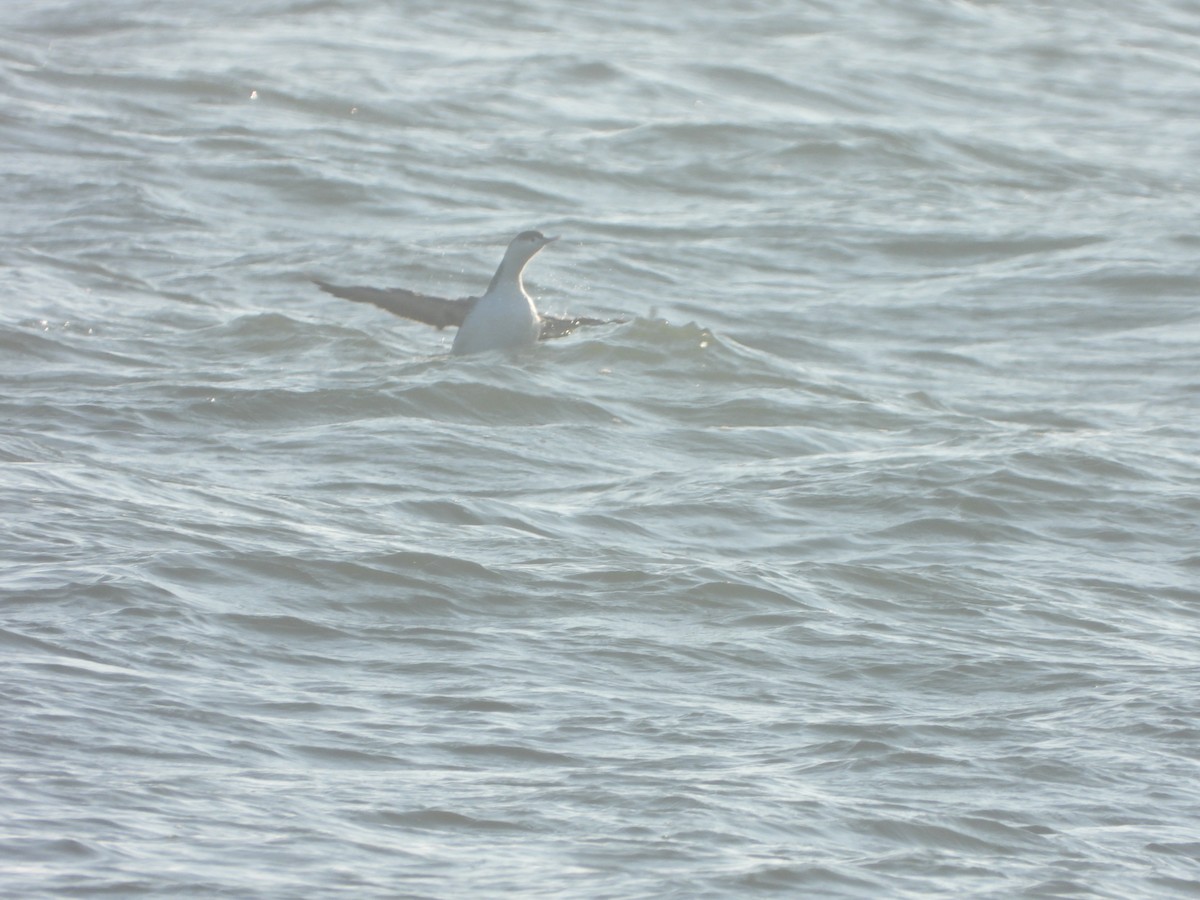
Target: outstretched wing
x=441, y=312
x=436, y=311
x=561, y=326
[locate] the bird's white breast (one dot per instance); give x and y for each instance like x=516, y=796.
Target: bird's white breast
x=501, y=320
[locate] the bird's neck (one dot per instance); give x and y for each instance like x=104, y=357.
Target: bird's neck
x=509, y=276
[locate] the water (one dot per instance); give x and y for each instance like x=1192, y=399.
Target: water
x=861, y=561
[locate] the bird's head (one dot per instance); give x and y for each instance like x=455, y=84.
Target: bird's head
x=530, y=242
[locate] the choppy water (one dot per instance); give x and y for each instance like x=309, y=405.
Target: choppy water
x=862, y=561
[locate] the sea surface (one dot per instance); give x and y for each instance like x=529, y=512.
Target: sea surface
x=861, y=559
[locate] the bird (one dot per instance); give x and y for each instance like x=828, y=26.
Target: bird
x=503, y=318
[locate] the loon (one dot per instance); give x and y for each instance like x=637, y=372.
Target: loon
x=504, y=318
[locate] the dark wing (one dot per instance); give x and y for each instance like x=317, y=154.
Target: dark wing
x=441, y=312
x=436, y=311
x=555, y=326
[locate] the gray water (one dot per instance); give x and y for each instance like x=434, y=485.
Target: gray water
x=860, y=560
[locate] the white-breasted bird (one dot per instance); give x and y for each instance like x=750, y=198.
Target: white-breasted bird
x=504, y=318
